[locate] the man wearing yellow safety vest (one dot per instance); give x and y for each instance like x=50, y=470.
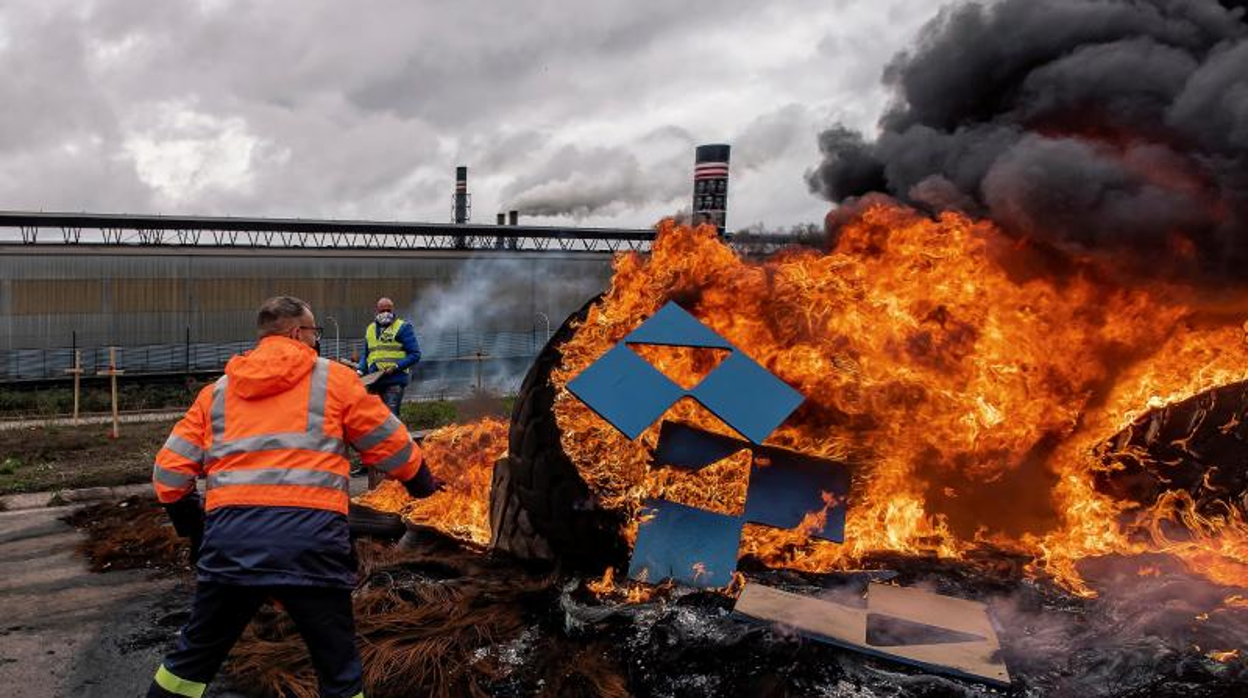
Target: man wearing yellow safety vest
x=270, y=441
x=390, y=346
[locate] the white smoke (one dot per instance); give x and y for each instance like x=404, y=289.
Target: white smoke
x=500, y=307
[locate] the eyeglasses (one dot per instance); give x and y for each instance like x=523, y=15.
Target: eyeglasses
x=320, y=331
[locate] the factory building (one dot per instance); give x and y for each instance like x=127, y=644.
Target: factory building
x=175, y=310
x=180, y=293
x=149, y=295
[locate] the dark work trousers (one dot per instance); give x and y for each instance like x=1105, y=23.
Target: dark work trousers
x=392, y=396
x=221, y=612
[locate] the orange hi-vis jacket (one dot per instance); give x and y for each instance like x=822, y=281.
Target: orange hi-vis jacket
x=274, y=431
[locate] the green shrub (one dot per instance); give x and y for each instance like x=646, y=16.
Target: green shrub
x=54, y=401
x=11, y=400
x=95, y=397
x=429, y=415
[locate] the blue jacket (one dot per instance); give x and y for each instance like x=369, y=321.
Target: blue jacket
x=407, y=336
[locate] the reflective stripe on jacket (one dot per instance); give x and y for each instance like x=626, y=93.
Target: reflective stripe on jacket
x=274, y=432
x=385, y=350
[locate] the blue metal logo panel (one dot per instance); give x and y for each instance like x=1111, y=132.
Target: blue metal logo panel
x=673, y=326
x=691, y=545
x=631, y=394
x=784, y=485
x=625, y=390
x=747, y=397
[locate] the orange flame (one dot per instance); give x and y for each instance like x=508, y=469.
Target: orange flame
x=629, y=592
x=462, y=457
x=1225, y=656
x=968, y=394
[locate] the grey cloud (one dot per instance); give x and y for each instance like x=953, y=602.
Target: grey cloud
x=768, y=135
x=316, y=108
x=60, y=143
x=90, y=178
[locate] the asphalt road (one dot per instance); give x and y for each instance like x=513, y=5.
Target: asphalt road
x=65, y=631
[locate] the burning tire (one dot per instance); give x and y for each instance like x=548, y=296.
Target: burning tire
x=1191, y=451
x=540, y=507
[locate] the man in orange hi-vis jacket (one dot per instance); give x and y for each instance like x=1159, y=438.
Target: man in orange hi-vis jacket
x=270, y=438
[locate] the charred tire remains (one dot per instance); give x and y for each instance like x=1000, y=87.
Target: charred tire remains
x=540, y=507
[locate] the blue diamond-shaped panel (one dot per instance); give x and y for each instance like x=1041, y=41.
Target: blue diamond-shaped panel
x=625, y=390
x=631, y=394
x=747, y=397
x=673, y=326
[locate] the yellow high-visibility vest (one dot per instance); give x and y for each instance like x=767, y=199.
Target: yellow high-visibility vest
x=385, y=350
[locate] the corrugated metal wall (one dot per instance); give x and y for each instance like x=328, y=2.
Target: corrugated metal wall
x=155, y=296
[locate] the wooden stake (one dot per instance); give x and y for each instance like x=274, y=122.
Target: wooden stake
x=112, y=376
x=112, y=373
x=77, y=371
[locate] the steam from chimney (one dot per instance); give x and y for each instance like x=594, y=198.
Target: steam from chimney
x=598, y=181
x=653, y=170
x=1104, y=126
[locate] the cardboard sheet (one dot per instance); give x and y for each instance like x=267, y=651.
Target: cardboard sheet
x=786, y=486
x=747, y=397
x=968, y=646
x=689, y=448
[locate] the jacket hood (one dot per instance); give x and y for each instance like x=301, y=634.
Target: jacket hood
x=276, y=365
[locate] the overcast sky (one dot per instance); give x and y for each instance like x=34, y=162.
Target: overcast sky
x=363, y=109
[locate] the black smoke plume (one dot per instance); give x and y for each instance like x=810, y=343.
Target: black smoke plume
x=1116, y=127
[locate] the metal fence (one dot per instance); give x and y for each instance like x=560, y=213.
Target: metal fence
x=453, y=362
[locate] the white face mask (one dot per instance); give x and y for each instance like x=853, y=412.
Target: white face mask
x=385, y=318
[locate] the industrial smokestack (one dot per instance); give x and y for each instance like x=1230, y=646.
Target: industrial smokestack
x=514, y=217
x=462, y=202
x=502, y=218
x=710, y=185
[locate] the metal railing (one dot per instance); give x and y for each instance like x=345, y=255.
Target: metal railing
x=220, y=231
x=453, y=362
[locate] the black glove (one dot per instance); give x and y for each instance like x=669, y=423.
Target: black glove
x=423, y=483
x=188, y=520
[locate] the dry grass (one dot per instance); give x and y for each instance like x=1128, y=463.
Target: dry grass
x=131, y=534
x=65, y=457
x=424, y=617
x=439, y=619
x=585, y=672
